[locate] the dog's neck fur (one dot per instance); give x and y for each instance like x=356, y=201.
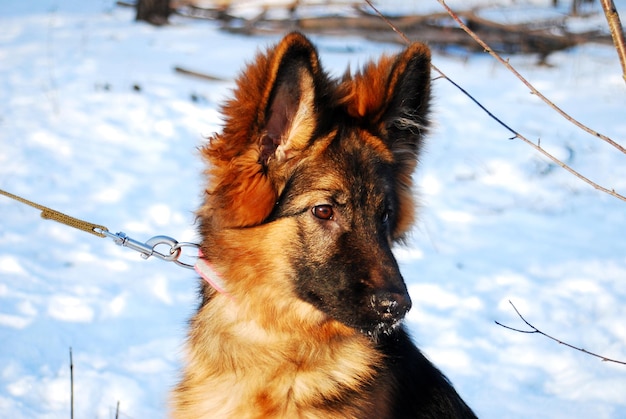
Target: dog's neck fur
x=246, y=358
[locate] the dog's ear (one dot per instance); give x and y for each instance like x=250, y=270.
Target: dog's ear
x=268, y=122
x=392, y=96
x=289, y=116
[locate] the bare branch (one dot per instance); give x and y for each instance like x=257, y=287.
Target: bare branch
x=572, y=171
x=388, y=22
x=615, y=26
x=441, y=73
x=511, y=130
x=526, y=82
x=535, y=330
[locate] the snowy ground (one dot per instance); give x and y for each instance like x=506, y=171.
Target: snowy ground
x=94, y=122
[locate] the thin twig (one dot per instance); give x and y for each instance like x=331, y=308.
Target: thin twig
x=569, y=169
x=535, y=330
x=197, y=74
x=526, y=82
x=511, y=130
x=71, y=385
x=617, y=33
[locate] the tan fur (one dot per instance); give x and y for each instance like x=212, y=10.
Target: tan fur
x=248, y=363
x=261, y=351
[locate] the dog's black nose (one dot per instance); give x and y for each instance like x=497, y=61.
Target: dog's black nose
x=391, y=305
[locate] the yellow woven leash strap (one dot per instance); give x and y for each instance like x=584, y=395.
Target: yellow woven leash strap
x=50, y=214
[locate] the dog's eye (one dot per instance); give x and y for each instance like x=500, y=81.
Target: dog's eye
x=323, y=212
x=386, y=218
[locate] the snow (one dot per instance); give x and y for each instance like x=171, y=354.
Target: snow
x=94, y=122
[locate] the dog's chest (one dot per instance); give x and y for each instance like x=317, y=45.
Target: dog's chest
x=295, y=380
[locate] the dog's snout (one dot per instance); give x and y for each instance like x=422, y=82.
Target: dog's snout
x=392, y=305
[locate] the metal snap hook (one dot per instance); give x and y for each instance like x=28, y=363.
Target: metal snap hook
x=174, y=250
x=147, y=249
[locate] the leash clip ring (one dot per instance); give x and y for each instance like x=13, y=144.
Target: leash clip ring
x=178, y=247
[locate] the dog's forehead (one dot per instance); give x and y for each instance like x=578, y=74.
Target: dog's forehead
x=360, y=150
x=374, y=143
x=354, y=159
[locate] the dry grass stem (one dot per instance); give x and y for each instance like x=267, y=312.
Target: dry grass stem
x=535, y=330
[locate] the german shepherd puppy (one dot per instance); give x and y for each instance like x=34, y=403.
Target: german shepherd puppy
x=309, y=186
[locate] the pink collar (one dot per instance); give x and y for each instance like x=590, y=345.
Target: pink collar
x=206, y=271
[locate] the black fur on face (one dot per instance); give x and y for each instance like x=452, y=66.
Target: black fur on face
x=345, y=208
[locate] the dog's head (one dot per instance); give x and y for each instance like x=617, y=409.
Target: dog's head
x=310, y=182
